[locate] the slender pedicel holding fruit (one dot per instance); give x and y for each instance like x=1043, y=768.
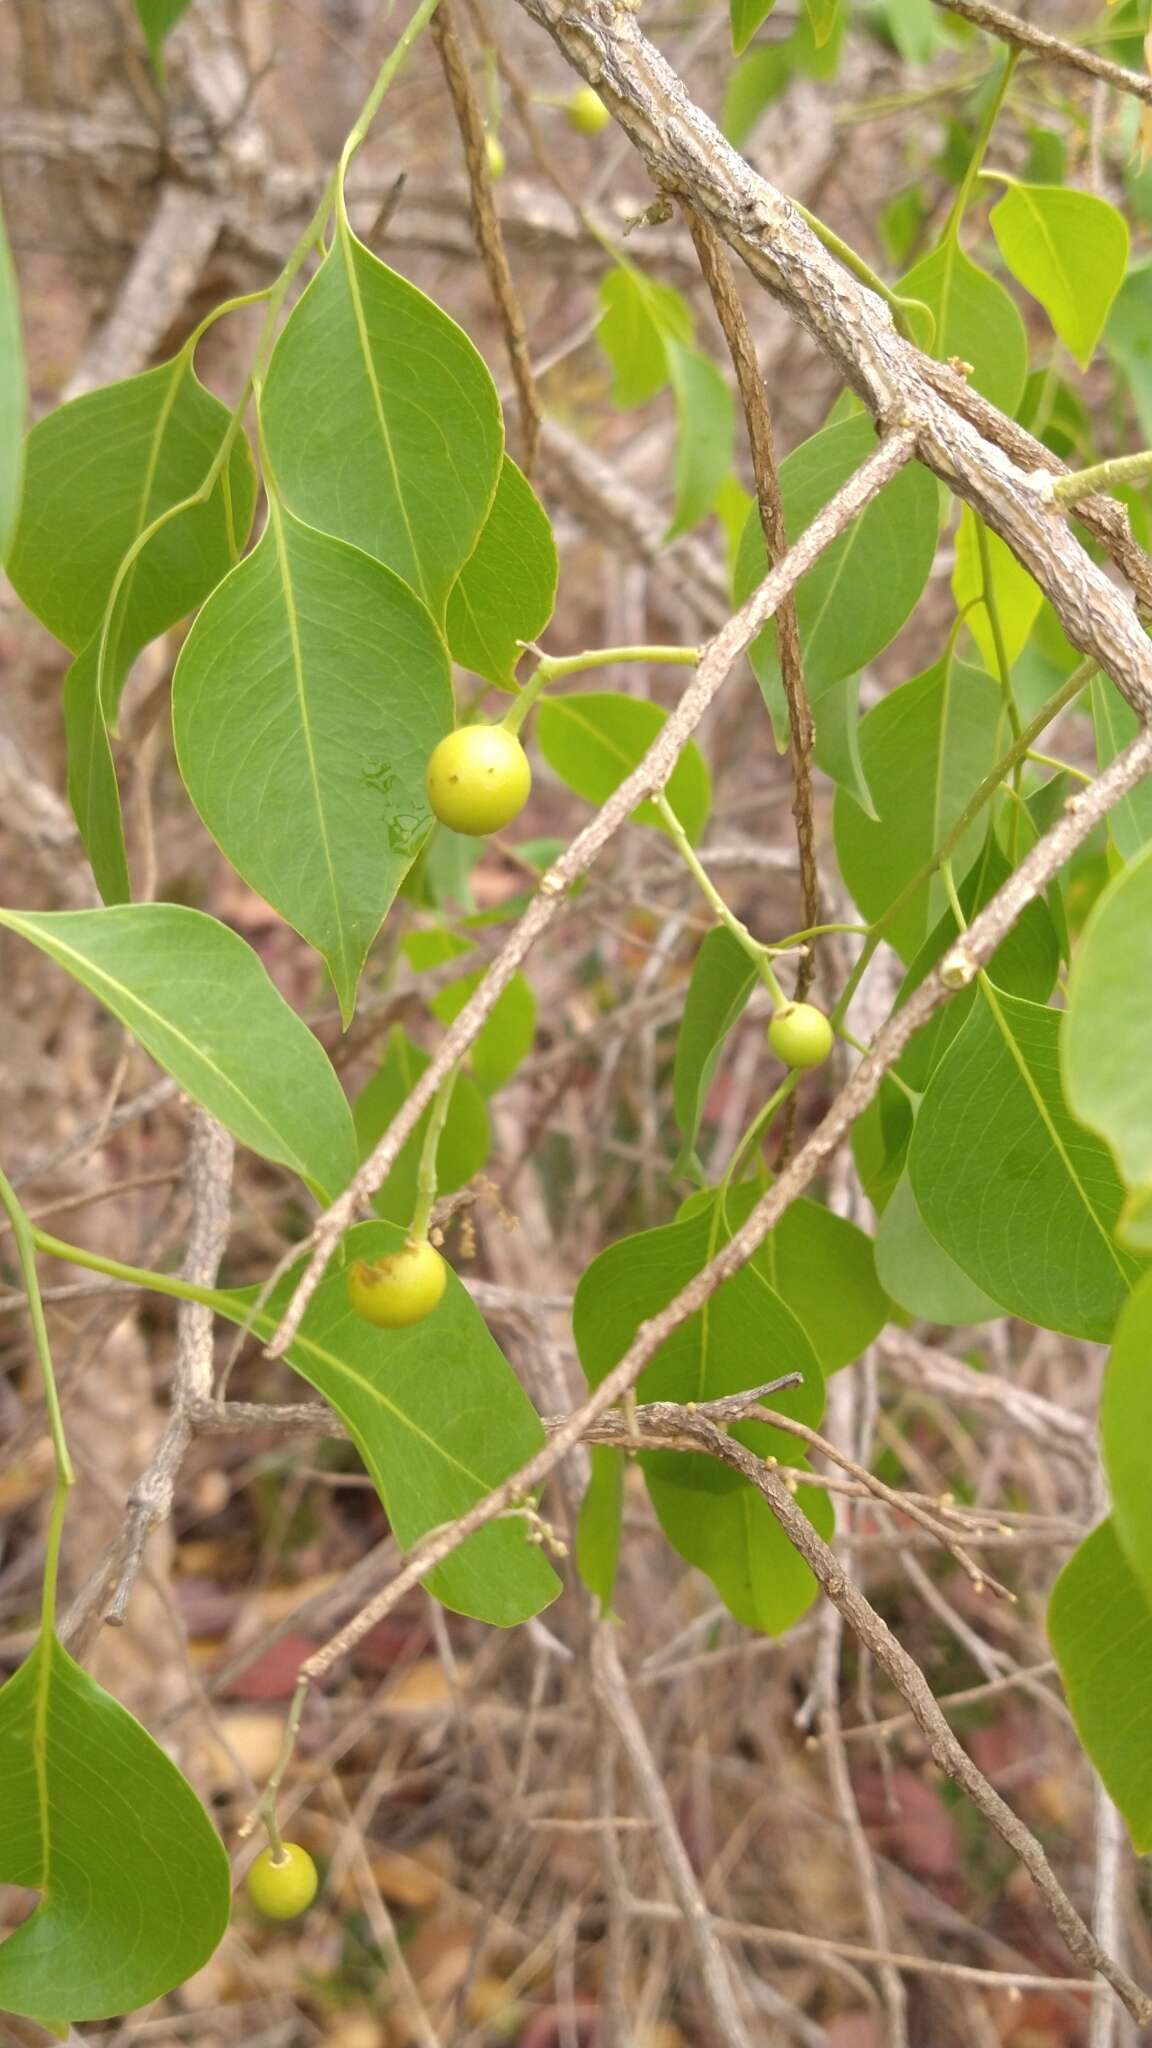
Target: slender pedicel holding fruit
x=497, y=160
x=282, y=1883
x=478, y=779
x=586, y=112
x=398, y=1290
x=801, y=1035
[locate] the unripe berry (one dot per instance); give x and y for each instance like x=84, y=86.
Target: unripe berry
x=801, y=1035
x=282, y=1885
x=401, y=1289
x=586, y=111
x=478, y=779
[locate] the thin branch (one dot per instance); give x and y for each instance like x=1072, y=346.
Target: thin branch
x=716, y=663
x=869, y=1484
x=699, y=1434
x=958, y=968
x=689, y=159
x=715, y=1970
x=791, y=1942
x=487, y=227
x=923, y=1369
x=761, y=441
x=109, y=1589
x=1010, y=29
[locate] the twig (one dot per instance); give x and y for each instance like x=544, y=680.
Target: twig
x=165, y=271
x=921, y=1368
x=790, y=1942
x=1010, y=29
x=958, y=968
x=910, y=1682
x=802, y=733
x=141, y=1105
x=620, y=515
x=716, y=663
x=613, y=1695
x=825, y=1698
x=971, y=1695
x=870, y=1484
x=688, y=158
x=109, y=1589
x=487, y=226
x=1108, y=1909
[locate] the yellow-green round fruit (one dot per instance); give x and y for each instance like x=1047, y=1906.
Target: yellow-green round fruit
x=398, y=1290
x=478, y=779
x=586, y=112
x=801, y=1035
x=497, y=160
x=280, y=1887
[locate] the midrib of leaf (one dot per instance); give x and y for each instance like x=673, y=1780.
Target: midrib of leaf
x=1042, y=1110
x=43, y=1655
x=1049, y=244
x=602, y=739
x=951, y=246
x=132, y=1001
x=266, y=1324
x=941, y=743
x=851, y=539
x=122, y=597
x=293, y=619
x=347, y=250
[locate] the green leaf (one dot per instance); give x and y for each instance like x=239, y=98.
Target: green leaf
x=797, y=1257
x=639, y=319
x=880, y=1140
x=1100, y=1628
x=752, y=86
x=438, y=1417
x=745, y=1335
x=506, y=591
x=93, y=790
x=199, y=1000
x=704, y=438
x=918, y=1273
x=600, y=1524
x=924, y=749
x=1026, y=962
x=1022, y=1197
x=823, y=15
x=1126, y=1433
x=157, y=18
x=1070, y=251
x=975, y=320
x=1128, y=340
x=837, y=749
x=99, y=471
x=746, y=17
x=859, y=594
x=465, y=1141
x=1104, y=1044
x=915, y=29
x=723, y=978
x=382, y=421
x=1115, y=724
x=134, y=1883
x=13, y=396
x=306, y=701
x=506, y=1036
x=1015, y=594
x=593, y=739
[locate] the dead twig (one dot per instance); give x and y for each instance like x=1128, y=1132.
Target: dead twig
x=487, y=227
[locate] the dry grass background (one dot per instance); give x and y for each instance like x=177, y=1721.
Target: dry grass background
x=456, y=1781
